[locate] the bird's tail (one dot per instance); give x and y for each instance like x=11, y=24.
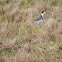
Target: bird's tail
x=30, y=20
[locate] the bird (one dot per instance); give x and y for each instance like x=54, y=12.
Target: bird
x=37, y=19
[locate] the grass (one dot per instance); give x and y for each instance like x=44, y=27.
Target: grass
x=24, y=41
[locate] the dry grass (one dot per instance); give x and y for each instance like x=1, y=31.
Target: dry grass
x=23, y=41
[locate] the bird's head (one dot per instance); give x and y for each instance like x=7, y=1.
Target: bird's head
x=42, y=13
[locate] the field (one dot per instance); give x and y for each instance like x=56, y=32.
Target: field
x=25, y=41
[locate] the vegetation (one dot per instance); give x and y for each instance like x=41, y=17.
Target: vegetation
x=24, y=41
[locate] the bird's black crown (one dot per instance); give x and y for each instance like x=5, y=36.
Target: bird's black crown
x=42, y=11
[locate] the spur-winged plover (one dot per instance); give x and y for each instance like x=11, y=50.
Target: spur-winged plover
x=38, y=19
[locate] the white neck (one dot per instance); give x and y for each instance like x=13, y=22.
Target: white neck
x=42, y=14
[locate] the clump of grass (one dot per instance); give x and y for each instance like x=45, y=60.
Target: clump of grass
x=8, y=41
x=1, y=11
x=52, y=38
x=54, y=2
x=25, y=4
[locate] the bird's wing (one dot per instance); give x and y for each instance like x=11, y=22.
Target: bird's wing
x=35, y=18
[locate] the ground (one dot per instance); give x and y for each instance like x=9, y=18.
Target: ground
x=25, y=41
